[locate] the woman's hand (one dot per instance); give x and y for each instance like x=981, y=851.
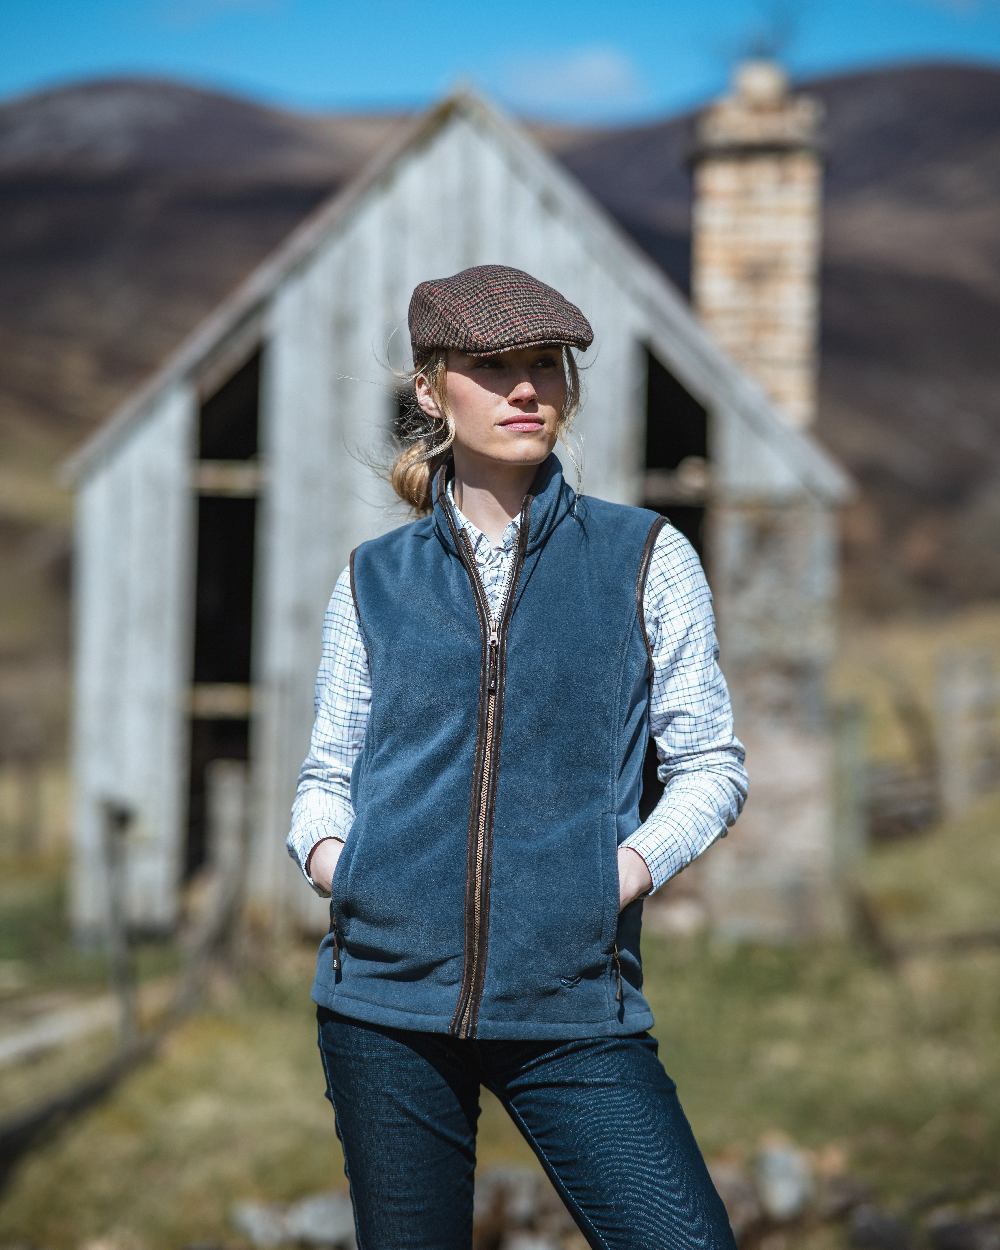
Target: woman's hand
x=633, y=876
x=323, y=861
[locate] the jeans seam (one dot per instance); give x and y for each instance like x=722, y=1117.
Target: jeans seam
x=343, y=1144
x=512, y=1111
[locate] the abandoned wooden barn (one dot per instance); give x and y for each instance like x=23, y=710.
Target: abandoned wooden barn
x=217, y=506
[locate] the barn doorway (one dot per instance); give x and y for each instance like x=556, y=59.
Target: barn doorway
x=227, y=482
x=675, y=484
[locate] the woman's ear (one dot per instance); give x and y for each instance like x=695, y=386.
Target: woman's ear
x=425, y=397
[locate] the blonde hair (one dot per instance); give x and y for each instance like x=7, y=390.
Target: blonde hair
x=426, y=442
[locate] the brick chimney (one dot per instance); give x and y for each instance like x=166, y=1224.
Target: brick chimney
x=757, y=180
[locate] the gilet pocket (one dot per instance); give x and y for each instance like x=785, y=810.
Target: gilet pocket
x=338, y=883
x=612, y=889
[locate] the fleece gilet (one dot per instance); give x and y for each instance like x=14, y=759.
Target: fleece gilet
x=477, y=893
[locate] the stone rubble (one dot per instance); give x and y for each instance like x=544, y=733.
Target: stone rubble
x=773, y=1198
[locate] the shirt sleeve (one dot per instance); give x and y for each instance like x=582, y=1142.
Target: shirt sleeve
x=701, y=761
x=322, y=806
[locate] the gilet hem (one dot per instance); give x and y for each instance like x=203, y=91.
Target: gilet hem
x=486, y=1029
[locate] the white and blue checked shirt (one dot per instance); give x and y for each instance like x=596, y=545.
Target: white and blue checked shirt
x=701, y=761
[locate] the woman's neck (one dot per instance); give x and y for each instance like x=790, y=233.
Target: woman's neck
x=491, y=499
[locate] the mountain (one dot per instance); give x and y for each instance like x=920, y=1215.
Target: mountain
x=132, y=206
x=910, y=310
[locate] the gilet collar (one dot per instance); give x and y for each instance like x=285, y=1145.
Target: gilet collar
x=548, y=499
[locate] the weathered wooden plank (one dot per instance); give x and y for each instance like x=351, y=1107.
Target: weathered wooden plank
x=493, y=204
x=132, y=658
x=92, y=610
x=289, y=574
x=415, y=258
x=160, y=568
x=448, y=226
x=613, y=420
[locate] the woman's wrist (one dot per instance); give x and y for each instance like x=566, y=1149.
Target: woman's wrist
x=317, y=864
x=634, y=876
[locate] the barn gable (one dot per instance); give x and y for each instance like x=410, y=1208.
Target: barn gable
x=521, y=204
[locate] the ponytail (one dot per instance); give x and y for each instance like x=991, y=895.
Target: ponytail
x=426, y=440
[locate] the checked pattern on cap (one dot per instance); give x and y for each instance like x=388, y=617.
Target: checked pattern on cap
x=492, y=308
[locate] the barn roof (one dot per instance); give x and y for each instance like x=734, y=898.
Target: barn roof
x=725, y=379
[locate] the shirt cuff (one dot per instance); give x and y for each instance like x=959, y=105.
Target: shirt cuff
x=665, y=851
x=311, y=838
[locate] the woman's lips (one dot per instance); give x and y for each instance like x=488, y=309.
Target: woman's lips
x=528, y=423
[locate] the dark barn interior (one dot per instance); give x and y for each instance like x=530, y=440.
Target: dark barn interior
x=676, y=459
x=226, y=505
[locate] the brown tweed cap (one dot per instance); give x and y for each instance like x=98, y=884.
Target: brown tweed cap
x=492, y=308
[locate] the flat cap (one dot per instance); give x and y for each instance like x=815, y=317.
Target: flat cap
x=492, y=308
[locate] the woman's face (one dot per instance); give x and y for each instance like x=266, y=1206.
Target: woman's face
x=506, y=406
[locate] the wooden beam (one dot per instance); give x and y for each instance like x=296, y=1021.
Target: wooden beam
x=233, y=478
x=222, y=700
x=683, y=485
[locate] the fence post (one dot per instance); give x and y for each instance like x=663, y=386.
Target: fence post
x=115, y=821
x=850, y=791
x=968, y=741
x=226, y=783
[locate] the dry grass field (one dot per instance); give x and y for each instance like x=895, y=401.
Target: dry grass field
x=894, y=1072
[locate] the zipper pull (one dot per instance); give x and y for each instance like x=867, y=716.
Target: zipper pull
x=618, y=970
x=494, y=643
x=335, y=946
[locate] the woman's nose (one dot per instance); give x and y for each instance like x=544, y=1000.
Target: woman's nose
x=524, y=390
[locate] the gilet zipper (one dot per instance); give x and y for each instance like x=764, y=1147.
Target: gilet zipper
x=484, y=778
x=618, y=971
x=335, y=943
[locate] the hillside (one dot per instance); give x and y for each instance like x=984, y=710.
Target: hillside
x=910, y=309
x=133, y=205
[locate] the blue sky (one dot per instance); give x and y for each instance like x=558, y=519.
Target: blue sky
x=590, y=60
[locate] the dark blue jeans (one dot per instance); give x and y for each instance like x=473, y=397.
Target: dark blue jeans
x=601, y=1114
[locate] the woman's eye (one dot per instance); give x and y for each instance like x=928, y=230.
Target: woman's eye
x=486, y=362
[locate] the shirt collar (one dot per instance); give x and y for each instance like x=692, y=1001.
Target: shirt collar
x=507, y=539
x=546, y=502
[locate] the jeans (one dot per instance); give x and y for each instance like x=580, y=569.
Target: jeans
x=601, y=1114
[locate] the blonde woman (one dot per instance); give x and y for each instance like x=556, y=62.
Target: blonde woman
x=491, y=674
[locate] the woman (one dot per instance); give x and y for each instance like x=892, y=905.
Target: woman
x=491, y=674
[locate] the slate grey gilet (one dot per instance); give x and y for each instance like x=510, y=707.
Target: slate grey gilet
x=477, y=891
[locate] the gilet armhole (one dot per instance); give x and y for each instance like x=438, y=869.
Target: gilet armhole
x=640, y=590
x=354, y=597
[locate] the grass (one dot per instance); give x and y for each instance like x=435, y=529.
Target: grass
x=891, y=1072
x=36, y=953
x=872, y=656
